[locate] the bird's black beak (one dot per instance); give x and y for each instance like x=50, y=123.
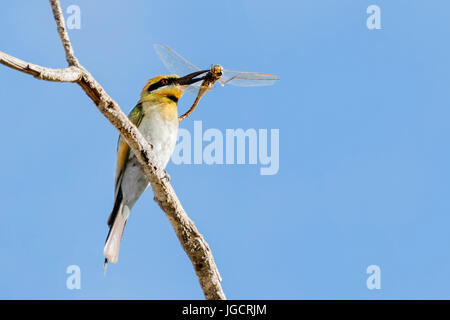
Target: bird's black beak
x=191, y=78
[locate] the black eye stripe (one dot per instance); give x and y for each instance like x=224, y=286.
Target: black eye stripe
x=159, y=84
x=154, y=86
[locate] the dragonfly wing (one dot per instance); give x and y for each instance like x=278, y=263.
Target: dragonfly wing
x=173, y=61
x=247, y=79
x=195, y=88
x=176, y=64
x=192, y=89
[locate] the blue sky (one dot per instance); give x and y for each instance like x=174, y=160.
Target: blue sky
x=364, y=159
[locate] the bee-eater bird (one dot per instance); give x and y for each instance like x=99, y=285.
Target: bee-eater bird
x=156, y=116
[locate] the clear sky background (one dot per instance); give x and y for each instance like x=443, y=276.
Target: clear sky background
x=364, y=173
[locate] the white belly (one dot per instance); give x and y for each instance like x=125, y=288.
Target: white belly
x=161, y=133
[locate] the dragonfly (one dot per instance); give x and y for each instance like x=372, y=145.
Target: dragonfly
x=175, y=63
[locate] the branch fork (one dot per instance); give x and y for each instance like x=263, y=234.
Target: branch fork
x=190, y=238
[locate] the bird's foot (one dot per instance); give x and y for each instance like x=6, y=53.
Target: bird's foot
x=166, y=176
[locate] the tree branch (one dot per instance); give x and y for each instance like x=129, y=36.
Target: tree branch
x=63, y=35
x=70, y=74
x=190, y=238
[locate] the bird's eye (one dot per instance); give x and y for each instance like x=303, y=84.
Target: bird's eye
x=164, y=82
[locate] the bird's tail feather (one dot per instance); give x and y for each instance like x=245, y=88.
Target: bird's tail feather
x=117, y=221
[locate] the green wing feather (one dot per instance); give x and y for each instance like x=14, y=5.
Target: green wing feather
x=123, y=150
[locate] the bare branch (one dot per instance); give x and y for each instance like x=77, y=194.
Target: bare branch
x=190, y=238
x=63, y=35
x=70, y=74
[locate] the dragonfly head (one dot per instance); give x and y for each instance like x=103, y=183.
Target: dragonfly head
x=216, y=72
x=216, y=69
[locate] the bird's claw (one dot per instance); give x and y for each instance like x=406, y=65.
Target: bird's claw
x=166, y=176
